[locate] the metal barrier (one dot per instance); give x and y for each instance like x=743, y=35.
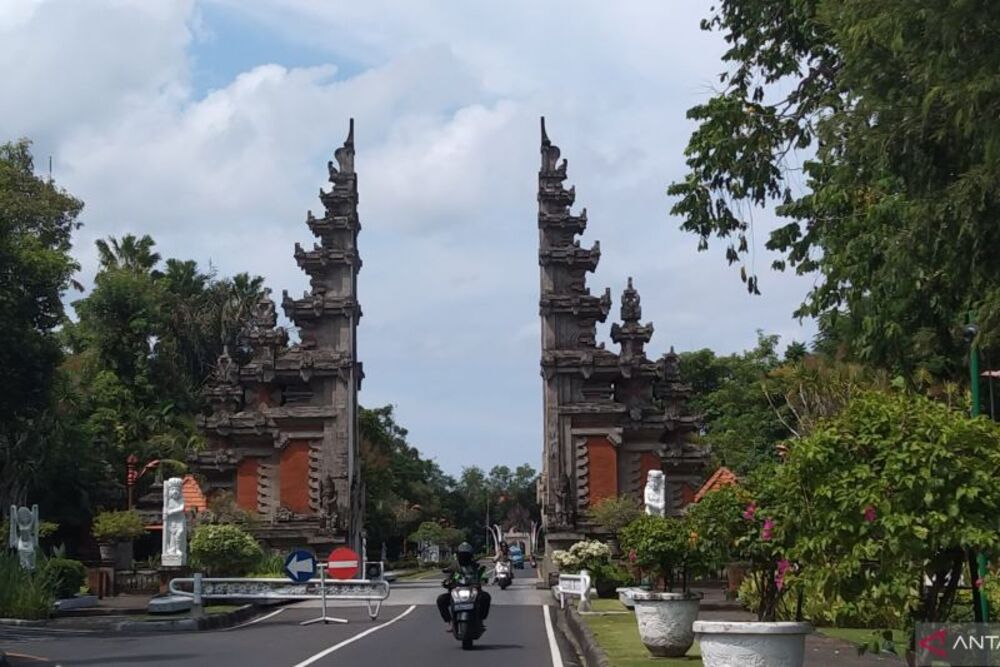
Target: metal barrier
x=371, y=592
x=574, y=585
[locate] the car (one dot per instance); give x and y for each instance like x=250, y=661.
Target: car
x=517, y=557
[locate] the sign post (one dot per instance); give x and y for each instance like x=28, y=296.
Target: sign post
x=323, y=617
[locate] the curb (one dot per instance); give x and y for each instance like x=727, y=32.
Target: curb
x=213, y=622
x=591, y=652
x=208, y=622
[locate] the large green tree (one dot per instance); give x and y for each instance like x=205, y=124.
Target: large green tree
x=36, y=224
x=891, y=108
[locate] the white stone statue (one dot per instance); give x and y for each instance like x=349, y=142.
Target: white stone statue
x=655, y=495
x=174, y=525
x=24, y=534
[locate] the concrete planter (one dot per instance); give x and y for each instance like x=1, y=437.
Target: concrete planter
x=665, y=621
x=625, y=597
x=733, y=644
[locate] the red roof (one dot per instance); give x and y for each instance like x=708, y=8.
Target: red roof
x=720, y=478
x=194, y=499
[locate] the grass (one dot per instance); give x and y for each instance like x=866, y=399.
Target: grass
x=606, y=605
x=24, y=594
x=422, y=574
x=619, y=637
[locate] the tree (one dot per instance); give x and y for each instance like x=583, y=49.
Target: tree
x=37, y=220
x=729, y=392
x=897, y=102
x=894, y=488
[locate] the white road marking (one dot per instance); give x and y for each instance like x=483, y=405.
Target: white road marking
x=351, y=640
x=553, y=646
x=256, y=620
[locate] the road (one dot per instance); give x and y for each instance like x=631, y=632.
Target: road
x=408, y=631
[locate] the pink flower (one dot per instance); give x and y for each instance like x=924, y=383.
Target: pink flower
x=765, y=533
x=750, y=511
x=632, y=556
x=978, y=583
x=779, y=576
x=870, y=513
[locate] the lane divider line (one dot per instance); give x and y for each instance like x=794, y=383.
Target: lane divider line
x=553, y=646
x=256, y=620
x=350, y=640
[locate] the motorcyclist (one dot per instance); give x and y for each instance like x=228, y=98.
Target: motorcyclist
x=503, y=554
x=467, y=566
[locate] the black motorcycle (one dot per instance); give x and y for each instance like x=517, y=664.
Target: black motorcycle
x=466, y=618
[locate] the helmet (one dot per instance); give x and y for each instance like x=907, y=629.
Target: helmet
x=465, y=553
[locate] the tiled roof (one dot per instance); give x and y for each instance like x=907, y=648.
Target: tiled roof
x=720, y=478
x=194, y=499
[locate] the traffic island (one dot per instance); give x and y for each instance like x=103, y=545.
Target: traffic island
x=214, y=618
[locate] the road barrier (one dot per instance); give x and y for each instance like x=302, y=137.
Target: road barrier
x=371, y=592
x=574, y=585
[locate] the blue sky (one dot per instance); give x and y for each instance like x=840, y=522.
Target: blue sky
x=208, y=123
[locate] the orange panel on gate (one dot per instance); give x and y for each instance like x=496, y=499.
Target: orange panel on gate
x=294, y=474
x=603, y=469
x=650, y=461
x=246, y=485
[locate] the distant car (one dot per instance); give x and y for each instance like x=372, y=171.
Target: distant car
x=517, y=557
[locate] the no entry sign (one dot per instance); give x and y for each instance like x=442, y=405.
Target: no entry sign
x=343, y=563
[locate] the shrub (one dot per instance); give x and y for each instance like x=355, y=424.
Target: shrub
x=117, y=526
x=65, y=576
x=613, y=514
x=665, y=546
x=23, y=594
x=269, y=565
x=225, y=549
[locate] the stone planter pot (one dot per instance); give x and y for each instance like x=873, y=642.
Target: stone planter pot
x=751, y=644
x=108, y=551
x=606, y=589
x=665, y=621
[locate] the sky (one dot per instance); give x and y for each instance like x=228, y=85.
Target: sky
x=208, y=124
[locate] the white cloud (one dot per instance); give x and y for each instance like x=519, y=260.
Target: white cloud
x=446, y=105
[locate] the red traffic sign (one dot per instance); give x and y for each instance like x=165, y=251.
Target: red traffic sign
x=343, y=563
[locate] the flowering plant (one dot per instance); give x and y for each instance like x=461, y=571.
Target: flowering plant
x=666, y=547
x=734, y=525
x=586, y=555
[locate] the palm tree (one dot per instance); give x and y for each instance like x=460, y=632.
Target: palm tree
x=131, y=253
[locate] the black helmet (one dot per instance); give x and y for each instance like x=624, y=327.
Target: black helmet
x=465, y=552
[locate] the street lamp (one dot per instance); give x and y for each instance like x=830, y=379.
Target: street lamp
x=977, y=560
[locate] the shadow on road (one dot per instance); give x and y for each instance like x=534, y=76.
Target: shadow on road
x=496, y=647
x=166, y=658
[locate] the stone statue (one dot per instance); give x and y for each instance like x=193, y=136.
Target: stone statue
x=24, y=534
x=328, y=503
x=655, y=495
x=174, y=525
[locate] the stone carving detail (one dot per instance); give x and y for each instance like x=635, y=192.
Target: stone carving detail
x=587, y=387
x=276, y=389
x=174, y=524
x=329, y=511
x=23, y=536
x=655, y=494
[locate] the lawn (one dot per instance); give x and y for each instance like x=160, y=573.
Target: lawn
x=619, y=637
x=607, y=605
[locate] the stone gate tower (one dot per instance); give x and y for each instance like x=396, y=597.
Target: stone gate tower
x=283, y=428
x=609, y=418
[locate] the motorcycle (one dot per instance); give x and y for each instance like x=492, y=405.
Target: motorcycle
x=466, y=622
x=502, y=574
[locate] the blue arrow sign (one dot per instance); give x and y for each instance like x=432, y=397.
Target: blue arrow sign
x=300, y=566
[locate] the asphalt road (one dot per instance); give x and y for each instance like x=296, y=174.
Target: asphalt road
x=408, y=631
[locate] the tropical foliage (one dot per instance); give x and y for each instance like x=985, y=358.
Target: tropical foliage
x=225, y=550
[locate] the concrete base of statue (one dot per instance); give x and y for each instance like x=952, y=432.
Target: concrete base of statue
x=170, y=604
